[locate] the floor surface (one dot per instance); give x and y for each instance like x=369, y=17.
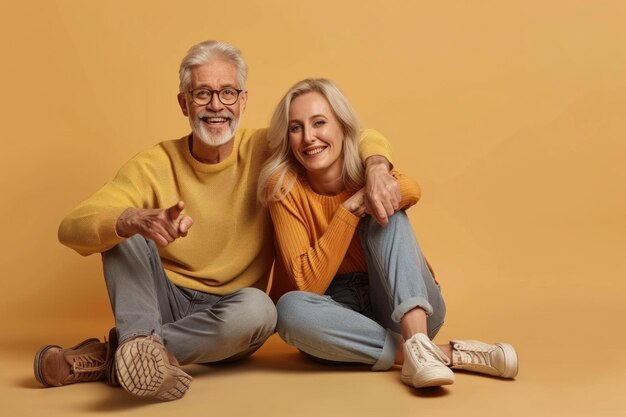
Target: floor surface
x=574, y=380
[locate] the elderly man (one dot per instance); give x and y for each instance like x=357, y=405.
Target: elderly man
x=186, y=248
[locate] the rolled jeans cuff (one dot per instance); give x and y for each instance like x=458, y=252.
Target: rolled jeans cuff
x=136, y=333
x=388, y=355
x=409, y=305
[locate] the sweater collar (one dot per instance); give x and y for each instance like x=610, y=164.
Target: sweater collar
x=204, y=167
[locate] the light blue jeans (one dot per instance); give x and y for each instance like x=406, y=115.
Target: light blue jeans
x=357, y=320
x=195, y=326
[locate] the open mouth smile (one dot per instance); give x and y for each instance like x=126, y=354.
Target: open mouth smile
x=211, y=120
x=314, y=150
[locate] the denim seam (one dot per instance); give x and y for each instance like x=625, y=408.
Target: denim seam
x=379, y=270
x=155, y=265
x=136, y=333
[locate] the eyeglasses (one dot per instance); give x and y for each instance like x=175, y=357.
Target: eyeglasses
x=203, y=96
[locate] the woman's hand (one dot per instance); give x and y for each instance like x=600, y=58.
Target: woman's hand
x=356, y=203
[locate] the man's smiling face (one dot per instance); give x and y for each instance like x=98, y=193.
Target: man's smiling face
x=213, y=124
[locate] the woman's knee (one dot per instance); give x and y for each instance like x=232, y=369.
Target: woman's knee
x=397, y=219
x=398, y=227
x=293, y=313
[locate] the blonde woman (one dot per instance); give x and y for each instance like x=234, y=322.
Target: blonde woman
x=352, y=291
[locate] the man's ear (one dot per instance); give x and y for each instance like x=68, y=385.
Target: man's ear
x=182, y=102
x=244, y=100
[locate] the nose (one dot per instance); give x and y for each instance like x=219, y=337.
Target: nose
x=215, y=104
x=309, y=135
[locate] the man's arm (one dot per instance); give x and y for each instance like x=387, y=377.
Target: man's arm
x=123, y=207
x=382, y=193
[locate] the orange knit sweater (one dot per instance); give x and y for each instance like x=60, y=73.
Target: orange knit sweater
x=316, y=239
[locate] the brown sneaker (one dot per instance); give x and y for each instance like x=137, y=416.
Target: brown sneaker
x=147, y=369
x=85, y=362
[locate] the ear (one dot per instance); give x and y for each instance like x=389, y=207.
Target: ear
x=244, y=100
x=182, y=102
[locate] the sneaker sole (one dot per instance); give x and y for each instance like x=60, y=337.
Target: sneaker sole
x=142, y=370
x=39, y=356
x=425, y=380
x=511, y=365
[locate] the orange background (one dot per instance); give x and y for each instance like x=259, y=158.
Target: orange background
x=510, y=114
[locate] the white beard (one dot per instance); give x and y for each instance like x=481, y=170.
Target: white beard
x=202, y=132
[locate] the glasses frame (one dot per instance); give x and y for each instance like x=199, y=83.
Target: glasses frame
x=239, y=91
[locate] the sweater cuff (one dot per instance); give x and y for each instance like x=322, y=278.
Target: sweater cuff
x=347, y=217
x=106, y=228
x=374, y=143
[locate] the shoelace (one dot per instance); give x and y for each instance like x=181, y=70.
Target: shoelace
x=88, y=368
x=474, y=354
x=427, y=354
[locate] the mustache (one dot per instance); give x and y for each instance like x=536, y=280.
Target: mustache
x=207, y=114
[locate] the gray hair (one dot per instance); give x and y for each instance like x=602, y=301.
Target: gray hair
x=204, y=53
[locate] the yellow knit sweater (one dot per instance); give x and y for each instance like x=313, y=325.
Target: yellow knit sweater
x=230, y=245
x=316, y=239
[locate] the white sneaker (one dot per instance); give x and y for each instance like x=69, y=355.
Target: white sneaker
x=425, y=365
x=497, y=360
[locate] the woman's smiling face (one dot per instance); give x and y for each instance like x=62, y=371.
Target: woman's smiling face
x=316, y=136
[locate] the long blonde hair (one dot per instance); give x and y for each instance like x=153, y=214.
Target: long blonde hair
x=281, y=168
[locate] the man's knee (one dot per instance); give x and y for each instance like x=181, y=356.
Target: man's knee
x=136, y=246
x=233, y=328
x=256, y=311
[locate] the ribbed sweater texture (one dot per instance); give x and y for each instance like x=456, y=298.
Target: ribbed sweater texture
x=316, y=239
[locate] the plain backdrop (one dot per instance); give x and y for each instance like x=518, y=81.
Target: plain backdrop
x=510, y=114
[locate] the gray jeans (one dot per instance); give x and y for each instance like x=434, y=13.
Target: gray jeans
x=357, y=320
x=195, y=326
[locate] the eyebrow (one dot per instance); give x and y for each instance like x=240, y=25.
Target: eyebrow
x=229, y=85
x=312, y=117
